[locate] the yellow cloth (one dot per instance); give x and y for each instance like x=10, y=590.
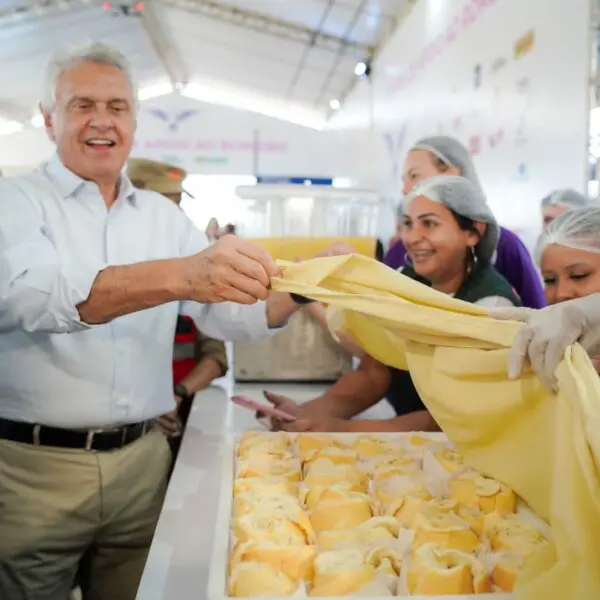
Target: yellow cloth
x=293, y=248
x=545, y=447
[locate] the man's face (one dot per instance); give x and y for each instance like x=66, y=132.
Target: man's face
x=93, y=120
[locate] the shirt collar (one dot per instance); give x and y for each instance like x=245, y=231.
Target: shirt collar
x=68, y=183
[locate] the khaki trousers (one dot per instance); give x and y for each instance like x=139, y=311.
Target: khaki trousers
x=56, y=504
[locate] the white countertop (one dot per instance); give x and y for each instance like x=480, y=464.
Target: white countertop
x=178, y=564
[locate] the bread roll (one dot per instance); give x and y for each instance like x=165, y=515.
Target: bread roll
x=512, y=534
x=436, y=571
x=368, y=446
x=323, y=472
x=283, y=531
x=263, y=485
x=266, y=442
x=273, y=504
x=506, y=571
x=249, y=579
x=376, y=529
x=310, y=497
x=295, y=561
x=341, y=513
x=338, y=456
x=309, y=442
x=269, y=466
x=446, y=530
x=487, y=495
x=449, y=459
x=341, y=573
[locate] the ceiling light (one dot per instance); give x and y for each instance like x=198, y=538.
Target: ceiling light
x=360, y=69
x=155, y=91
x=334, y=104
x=241, y=99
x=8, y=127
x=37, y=121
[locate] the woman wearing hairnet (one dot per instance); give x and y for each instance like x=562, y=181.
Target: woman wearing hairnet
x=442, y=155
x=569, y=255
x=450, y=236
x=559, y=202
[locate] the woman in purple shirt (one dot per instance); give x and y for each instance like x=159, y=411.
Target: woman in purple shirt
x=442, y=155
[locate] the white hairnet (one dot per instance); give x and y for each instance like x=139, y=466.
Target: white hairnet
x=566, y=197
x=452, y=153
x=465, y=198
x=579, y=229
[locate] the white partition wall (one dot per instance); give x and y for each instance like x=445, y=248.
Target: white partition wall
x=509, y=78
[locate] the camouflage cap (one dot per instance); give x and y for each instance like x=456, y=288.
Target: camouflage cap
x=156, y=176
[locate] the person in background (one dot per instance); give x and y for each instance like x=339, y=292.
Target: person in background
x=93, y=274
x=197, y=359
x=568, y=252
x=213, y=230
x=559, y=202
x=451, y=235
x=443, y=155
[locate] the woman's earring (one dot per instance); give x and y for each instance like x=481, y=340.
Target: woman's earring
x=407, y=260
x=473, y=255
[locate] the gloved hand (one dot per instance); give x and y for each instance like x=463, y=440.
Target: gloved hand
x=548, y=332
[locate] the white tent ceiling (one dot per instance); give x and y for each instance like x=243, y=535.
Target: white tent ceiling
x=298, y=54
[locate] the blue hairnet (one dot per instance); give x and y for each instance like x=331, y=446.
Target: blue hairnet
x=465, y=198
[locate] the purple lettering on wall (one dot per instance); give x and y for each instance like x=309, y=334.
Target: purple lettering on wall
x=470, y=14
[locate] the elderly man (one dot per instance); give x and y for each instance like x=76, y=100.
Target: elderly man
x=197, y=358
x=93, y=274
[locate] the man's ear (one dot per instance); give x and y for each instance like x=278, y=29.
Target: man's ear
x=47, y=122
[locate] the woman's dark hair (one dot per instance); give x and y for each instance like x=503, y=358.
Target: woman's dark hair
x=379, y=252
x=467, y=224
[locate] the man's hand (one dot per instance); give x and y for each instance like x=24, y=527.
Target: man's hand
x=231, y=270
x=286, y=405
x=317, y=424
x=169, y=423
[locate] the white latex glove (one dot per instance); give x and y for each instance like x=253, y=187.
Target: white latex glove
x=548, y=333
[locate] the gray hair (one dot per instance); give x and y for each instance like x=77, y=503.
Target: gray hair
x=69, y=56
x=466, y=199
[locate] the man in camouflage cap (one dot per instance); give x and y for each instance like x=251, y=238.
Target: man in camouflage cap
x=197, y=359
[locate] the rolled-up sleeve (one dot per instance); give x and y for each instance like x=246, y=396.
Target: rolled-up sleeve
x=38, y=292
x=225, y=321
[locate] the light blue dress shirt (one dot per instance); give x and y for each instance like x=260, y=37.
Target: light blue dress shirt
x=56, y=235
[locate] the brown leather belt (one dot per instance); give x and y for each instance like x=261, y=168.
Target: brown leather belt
x=99, y=440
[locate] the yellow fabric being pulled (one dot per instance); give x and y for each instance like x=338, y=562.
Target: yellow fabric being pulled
x=545, y=447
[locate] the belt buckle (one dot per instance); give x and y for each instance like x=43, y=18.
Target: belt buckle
x=89, y=440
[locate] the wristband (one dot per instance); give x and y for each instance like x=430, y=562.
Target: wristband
x=300, y=299
x=181, y=391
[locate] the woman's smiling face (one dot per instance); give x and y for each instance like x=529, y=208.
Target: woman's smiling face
x=436, y=245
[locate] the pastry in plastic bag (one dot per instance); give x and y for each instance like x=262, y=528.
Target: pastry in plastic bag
x=269, y=466
x=376, y=529
x=341, y=572
x=323, y=472
x=449, y=459
x=263, y=485
x=266, y=442
x=296, y=562
x=266, y=503
x=487, y=495
x=249, y=579
x=341, y=513
x=506, y=571
x=310, y=497
x=436, y=571
x=309, y=442
x=338, y=456
x=446, y=530
x=283, y=531
x=512, y=534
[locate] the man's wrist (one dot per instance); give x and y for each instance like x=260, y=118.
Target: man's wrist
x=181, y=391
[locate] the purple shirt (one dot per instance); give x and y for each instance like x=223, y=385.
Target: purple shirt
x=513, y=261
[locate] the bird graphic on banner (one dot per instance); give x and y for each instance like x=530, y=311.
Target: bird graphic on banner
x=173, y=122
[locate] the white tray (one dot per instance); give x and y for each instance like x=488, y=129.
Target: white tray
x=217, y=582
